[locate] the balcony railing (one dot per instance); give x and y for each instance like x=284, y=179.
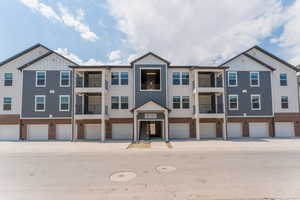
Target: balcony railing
x=90, y=109
x=90, y=82
x=204, y=82
x=211, y=108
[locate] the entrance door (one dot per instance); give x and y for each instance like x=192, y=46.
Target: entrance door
x=150, y=130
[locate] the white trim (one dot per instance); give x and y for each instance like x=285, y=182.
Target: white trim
x=255, y=95
x=60, y=79
x=35, y=97
x=180, y=102
x=228, y=80
x=180, y=78
x=258, y=79
x=237, y=101
x=60, y=96
x=47, y=118
x=160, y=83
x=119, y=78
x=285, y=79
x=36, y=80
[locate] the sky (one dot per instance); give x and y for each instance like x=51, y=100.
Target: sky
x=188, y=32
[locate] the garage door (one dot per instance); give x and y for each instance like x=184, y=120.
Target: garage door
x=37, y=132
x=9, y=132
x=92, y=131
x=122, y=131
x=63, y=132
x=234, y=130
x=208, y=130
x=284, y=129
x=179, y=130
x=258, y=130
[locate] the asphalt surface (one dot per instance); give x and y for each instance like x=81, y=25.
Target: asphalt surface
x=239, y=169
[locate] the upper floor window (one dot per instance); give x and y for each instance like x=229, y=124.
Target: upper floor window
x=254, y=79
x=119, y=102
x=65, y=78
x=40, y=77
x=233, y=102
x=40, y=101
x=232, y=78
x=124, y=78
x=181, y=102
x=115, y=78
x=185, y=78
x=255, y=102
x=176, y=102
x=283, y=79
x=124, y=102
x=284, y=102
x=7, y=101
x=150, y=79
x=180, y=78
x=8, y=79
x=64, y=103
x=119, y=78
x=185, y=102
x=176, y=78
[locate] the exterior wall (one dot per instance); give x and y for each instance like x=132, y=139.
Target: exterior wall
x=192, y=124
x=15, y=91
x=115, y=121
x=291, y=90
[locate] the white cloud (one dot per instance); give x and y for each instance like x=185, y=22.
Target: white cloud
x=65, y=17
x=114, y=55
x=195, y=32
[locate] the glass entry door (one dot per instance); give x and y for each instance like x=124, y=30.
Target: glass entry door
x=150, y=129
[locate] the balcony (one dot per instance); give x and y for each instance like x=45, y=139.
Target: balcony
x=210, y=82
x=88, y=81
x=88, y=106
x=211, y=108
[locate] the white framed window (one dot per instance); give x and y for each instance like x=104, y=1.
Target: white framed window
x=185, y=102
x=65, y=77
x=124, y=102
x=40, y=103
x=119, y=78
x=254, y=79
x=232, y=79
x=284, y=102
x=8, y=79
x=115, y=78
x=119, y=102
x=185, y=77
x=115, y=102
x=176, y=78
x=233, y=101
x=176, y=102
x=180, y=78
x=7, y=103
x=283, y=79
x=255, y=102
x=64, y=103
x=150, y=79
x=40, y=79
x=124, y=78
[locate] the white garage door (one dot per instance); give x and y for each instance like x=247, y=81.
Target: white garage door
x=122, y=131
x=179, y=130
x=208, y=130
x=234, y=130
x=92, y=131
x=284, y=129
x=9, y=132
x=258, y=129
x=37, y=132
x=63, y=132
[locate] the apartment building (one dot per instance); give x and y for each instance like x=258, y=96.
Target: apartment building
x=48, y=97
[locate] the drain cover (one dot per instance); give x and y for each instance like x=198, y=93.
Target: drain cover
x=122, y=176
x=165, y=169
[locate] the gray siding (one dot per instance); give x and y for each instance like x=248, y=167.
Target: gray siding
x=142, y=97
x=264, y=90
x=52, y=100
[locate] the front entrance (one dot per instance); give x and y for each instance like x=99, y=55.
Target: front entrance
x=150, y=130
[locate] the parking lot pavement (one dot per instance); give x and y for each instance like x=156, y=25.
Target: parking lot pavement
x=214, y=169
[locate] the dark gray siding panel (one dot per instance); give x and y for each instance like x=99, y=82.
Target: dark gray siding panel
x=52, y=100
x=265, y=92
x=142, y=97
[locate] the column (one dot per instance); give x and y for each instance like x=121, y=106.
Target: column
x=103, y=117
x=134, y=126
x=224, y=107
x=196, y=105
x=167, y=125
x=74, y=125
x=224, y=128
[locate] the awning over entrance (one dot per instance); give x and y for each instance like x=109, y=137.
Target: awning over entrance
x=151, y=106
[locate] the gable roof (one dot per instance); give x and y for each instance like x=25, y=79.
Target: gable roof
x=44, y=56
x=148, y=102
x=22, y=53
x=259, y=61
x=147, y=54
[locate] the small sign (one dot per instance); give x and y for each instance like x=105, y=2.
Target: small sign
x=150, y=115
x=52, y=91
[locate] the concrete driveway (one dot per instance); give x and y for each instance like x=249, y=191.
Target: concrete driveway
x=237, y=169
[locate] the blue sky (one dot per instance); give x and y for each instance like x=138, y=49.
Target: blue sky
x=111, y=31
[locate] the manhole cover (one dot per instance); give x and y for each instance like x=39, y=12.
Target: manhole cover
x=122, y=176
x=165, y=169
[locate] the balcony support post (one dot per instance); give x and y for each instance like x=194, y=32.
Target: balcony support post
x=197, y=110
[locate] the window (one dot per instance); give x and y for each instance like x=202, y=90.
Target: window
x=64, y=102
x=124, y=78
x=150, y=79
x=176, y=78
x=185, y=102
x=115, y=78
x=254, y=79
x=8, y=79
x=176, y=102
x=114, y=102
x=255, y=102
x=232, y=78
x=64, y=79
x=283, y=79
x=7, y=101
x=233, y=102
x=124, y=102
x=40, y=103
x=284, y=102
x=40, y=79
x=185, y=78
